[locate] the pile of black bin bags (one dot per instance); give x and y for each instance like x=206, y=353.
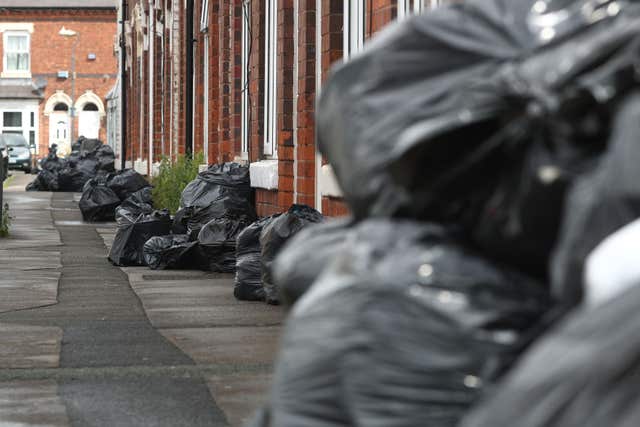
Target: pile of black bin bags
x=89, y=159
x=103, y=194
x=214, y=208
x=486, y=149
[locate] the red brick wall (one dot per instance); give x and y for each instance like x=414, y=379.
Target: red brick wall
x=305, y=123
x=379, y=14
x=51, y=53
x=236, y=76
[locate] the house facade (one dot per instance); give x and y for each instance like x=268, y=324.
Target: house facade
x=58, y=65
x=237, y=80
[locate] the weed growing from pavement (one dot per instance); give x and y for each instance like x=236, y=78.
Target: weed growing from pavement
x=5, y=221
x=171, y=180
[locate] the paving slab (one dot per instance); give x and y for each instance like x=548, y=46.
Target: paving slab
x=32, y=404
x=239, y=395
x=29, y=346
x=198, y=302
x=21, y=290
x=227, y=345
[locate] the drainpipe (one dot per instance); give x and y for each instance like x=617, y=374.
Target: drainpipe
x=152, y=79
x=123, y=86
x=189, y=77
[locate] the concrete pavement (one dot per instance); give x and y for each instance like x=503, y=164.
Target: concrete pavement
x=87, y=343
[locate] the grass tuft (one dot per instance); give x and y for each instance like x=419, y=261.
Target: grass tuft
x=172, y=178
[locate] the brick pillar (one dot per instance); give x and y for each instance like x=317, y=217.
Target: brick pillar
x=379, y=14
x=236, y=76
x=226, y=144
x=305, y=123
x=256, y=81
x=284, y=103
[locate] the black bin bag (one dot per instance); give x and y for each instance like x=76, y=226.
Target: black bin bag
x=223, y=189
x=404, y=328
x=98, y=202
x=471, y=114
x=126, y=182
x=273, y=237
x=217, y=240
x=248, y=282
x=306, y=255
x=47, y=178
x=600, y=202
x=415, y=82
x=174, y=251
x=133, y=233
x=140, y=202
x=581, y=374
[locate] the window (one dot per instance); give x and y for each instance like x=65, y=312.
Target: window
x=246, y=52
x=12, y=119
x=90, y=106
x=61, y=107
x=409, y=7
x=16, y=52
x=205, y=115
x=20, y=122
x=270, y=77
x=353, y=26
x=204, y=17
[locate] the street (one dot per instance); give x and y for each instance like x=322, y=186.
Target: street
x=87, y=343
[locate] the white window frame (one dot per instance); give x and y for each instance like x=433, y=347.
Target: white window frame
x=270, y=80
x=406, y=8
x=204, y=16
x=244, y=100
x=353, y=27
x=20, y=128
x=205, y=113
x=25, y=124
x=16, y=73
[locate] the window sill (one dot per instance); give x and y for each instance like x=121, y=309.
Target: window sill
x=15, y=75
x=264, y=174
x=328, y=184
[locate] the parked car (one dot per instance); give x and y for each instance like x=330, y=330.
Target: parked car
x=18, y=150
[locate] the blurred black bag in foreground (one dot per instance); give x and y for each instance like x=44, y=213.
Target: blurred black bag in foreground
x=600, y=202
x=248, y=282
x=306, y=255
x=273, y=237
x=584, y=372
x=403, y=329
x=133, y=233
x=472, y=115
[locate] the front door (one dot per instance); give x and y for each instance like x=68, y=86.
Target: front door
x=59, y=132
x=89, y=124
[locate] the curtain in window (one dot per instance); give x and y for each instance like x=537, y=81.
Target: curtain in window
x=17, y=53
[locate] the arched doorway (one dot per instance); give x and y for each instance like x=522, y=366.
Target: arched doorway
x=89, y=110
x=89, y=121
x=59, y=128
x=57, y=108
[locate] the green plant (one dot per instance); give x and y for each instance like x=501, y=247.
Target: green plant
x=5, y=221
x=172, y=178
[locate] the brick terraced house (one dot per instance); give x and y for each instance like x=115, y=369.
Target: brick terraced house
x=58, y=64
x=237, y=80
